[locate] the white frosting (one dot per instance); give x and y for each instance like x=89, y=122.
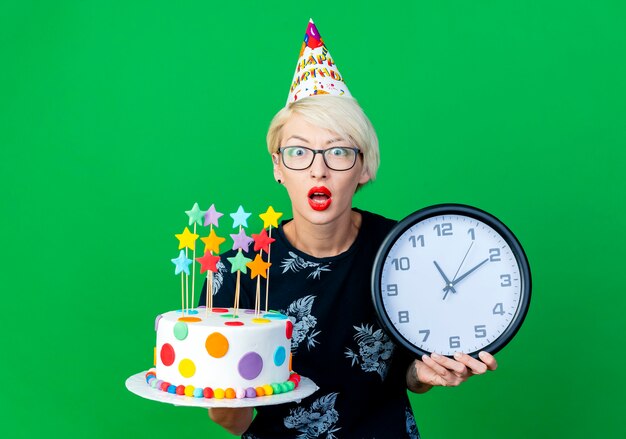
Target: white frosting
x=262, y=338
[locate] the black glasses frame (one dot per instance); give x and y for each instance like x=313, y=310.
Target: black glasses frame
x=319, y=151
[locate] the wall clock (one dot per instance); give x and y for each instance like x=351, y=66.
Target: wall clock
x=451, y=278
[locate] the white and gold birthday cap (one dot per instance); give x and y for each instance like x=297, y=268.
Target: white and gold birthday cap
x=316, y=72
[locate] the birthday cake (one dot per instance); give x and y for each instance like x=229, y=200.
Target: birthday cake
x=211, y=352
x=215, y=353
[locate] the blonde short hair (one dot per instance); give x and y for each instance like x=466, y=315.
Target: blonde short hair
x=339, y=114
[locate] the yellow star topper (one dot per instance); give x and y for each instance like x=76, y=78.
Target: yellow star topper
x=258, y=267
x=212, y=242
x=270, y=217
x=187, y=239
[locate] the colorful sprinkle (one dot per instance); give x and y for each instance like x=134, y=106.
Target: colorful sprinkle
x=207, y=392
x=181, y=330
x=198, y=393
x=190, y=319
x=171, y=389
x=260, y=391
x=218, y=393
x=240, y=393
x=279, y=356
x=295, y=378
x=187, y=368
x=268, y=389
x=216, y=345
x=156, y=321
x=180, y=390
x=250, y=365
x=167, y=354
x=250, y=392
x=229, y=316
x=275, y=316
x=229, y=393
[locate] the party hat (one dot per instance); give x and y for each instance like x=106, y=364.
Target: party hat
x=316, y=72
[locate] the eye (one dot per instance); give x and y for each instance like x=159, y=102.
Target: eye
x=339, y=151
x=294, y=151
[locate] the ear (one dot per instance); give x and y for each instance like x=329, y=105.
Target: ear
x=278, y=173
x=365, y=176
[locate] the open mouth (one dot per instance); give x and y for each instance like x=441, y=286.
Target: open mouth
x=319, y=198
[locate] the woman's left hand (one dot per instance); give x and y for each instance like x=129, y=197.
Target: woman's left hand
x=439, y=370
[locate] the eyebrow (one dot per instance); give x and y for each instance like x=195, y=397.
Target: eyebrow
x=338, y=139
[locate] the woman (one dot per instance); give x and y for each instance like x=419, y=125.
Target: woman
x=323, y=150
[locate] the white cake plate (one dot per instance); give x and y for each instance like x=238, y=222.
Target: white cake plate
x=138, y=385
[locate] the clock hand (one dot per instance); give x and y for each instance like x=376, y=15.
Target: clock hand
x=449, y=285
x=467, y=273
x=466, y=253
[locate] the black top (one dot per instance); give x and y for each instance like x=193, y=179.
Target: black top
x=336, y=342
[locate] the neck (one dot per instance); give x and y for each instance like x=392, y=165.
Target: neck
x=323, y=240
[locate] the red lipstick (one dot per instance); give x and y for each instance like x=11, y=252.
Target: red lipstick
x=319, y=198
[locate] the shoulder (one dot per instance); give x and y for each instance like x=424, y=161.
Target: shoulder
x=375, y=223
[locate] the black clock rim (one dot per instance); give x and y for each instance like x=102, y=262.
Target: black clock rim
x=452, y=209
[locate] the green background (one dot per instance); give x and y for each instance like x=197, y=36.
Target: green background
x=115, y=117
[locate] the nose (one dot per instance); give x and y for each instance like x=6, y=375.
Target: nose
x=318, y=168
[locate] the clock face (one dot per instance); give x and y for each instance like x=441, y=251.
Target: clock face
x=451, y=278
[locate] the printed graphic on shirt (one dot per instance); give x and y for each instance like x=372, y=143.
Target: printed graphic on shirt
x=295, y=263
x=304, y=322
x=411, y=425
x=319, y=421
x=375, y=350
x=218, y=277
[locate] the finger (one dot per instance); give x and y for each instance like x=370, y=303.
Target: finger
x=435, y=366
x=488, y=359
x=475, y=366
x=450, y=364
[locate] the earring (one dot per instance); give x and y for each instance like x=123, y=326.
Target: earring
x=279, y=181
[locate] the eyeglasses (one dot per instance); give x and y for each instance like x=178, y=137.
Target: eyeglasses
x=337, y=158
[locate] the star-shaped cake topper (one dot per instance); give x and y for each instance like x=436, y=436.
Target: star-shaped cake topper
x=212, y=242
x=238, y=263
x=187, y=239
x=182, y=263
x=258, y=267
x=241, y=241
x=240, y=218
x=270, y=217
x=208, y=262
x=262, y=241
x=195, y=214
x=212, y=216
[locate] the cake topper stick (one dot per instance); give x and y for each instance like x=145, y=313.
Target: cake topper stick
x=195, y=217
x=258, y=268
x=186, y=240
x=182, y=268
x=209, y=262
x=212, y=242
x=238, y=264
x=270, y=219
x=262, y=243
x=241, y=242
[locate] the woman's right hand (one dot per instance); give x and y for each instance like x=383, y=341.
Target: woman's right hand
x=235, y=420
